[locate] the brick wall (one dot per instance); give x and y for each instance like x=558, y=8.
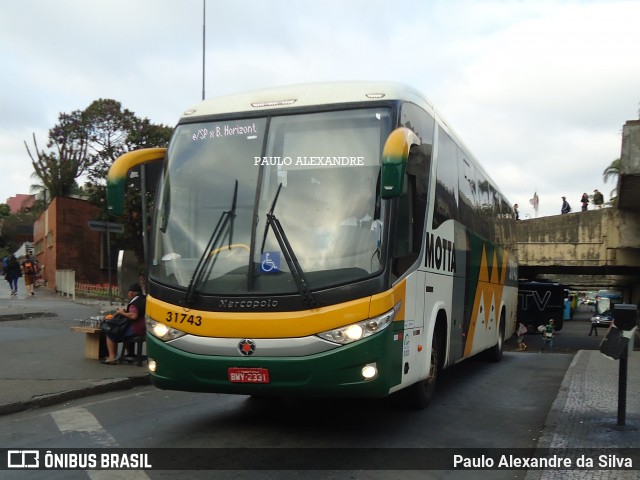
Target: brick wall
x=63, y=240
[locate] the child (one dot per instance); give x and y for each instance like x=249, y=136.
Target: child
x=547, y=336
x=522, y=330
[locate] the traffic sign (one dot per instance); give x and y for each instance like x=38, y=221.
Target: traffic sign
x=106, y=227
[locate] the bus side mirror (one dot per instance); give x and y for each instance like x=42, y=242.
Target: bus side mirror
x=115, y=197
x=392, y=178
x=117, y=175
x=394, y=161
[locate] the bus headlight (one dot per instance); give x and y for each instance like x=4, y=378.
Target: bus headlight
x=162, y=331
x=358, y=331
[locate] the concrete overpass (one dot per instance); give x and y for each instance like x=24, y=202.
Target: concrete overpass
x=592, y=249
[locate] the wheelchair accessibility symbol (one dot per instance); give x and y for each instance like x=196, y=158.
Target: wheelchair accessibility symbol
x=270, y=262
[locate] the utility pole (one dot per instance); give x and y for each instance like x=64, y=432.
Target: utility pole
x=204, y=10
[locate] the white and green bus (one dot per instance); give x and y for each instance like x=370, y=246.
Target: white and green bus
x=325, y=240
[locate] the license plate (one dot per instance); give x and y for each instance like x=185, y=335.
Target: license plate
x=248, y=375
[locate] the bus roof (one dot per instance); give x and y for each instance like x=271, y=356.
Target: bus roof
x=320, y=94
x=305, y=95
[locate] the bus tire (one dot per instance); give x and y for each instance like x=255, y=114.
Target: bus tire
x=494, y=354
x=421, y=393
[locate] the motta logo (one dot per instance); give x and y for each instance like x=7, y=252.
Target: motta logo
x=247, y=347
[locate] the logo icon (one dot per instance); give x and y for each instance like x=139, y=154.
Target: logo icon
x=270, y=262
x=23, y=459
x=247, y=347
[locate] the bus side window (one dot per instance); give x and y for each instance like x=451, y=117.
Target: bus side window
x=411, y=209
x=446, y=194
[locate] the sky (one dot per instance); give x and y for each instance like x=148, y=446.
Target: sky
x=538, y=90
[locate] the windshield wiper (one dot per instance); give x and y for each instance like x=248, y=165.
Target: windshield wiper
x=292, y=261
x=205, y=265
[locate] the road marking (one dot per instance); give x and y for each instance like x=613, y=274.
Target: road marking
x=79, y=419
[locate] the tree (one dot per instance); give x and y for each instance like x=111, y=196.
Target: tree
x=612, y=172
x=87, y=142
x=16, y=228
x=5, y=210
x=111, y=132
x=67, y=158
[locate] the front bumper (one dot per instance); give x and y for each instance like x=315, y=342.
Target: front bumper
x=332, y=373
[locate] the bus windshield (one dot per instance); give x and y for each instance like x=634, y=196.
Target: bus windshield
x=249, y=205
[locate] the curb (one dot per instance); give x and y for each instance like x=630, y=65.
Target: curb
x=55, y=398
x=25, y=315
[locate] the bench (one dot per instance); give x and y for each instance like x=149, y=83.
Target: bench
x=138, y=344
x=92, y=341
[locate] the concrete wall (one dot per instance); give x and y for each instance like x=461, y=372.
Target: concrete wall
x=586, y=239
x=629, y=155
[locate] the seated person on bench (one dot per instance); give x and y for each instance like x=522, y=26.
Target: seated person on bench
x=134, y=311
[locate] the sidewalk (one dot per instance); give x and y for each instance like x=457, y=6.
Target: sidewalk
x=584, y=416
x=43, y=360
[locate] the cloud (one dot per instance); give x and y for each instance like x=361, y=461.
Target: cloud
x=539, y=90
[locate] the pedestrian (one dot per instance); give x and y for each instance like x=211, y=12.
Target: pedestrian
x=522, y=331
x=594, y=328
x=547, y=335
x=134, y=311
x=585, y=201
x=598, y=199
x=30, y=269
x=515, y=211
x=5, y=265
x=566, y=208
x=12, y=274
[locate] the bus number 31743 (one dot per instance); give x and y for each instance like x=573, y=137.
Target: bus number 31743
x=177, y=317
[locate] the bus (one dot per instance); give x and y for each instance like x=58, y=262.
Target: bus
x=605, y=304
x=322, y=240
x=538, y=302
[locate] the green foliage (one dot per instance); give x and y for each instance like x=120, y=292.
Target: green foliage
x=5, y=211
x=66, y=158
x=16, y=228
x=88, y=142
x=612, y=172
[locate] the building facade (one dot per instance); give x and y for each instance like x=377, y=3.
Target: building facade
x=62, y=240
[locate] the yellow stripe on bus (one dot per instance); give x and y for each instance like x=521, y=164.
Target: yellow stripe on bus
x=489, y=292
x=275, y=324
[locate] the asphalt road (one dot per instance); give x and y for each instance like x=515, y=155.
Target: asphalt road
x=573, y=336
x=478, y=405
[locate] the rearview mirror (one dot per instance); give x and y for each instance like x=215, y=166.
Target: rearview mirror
x=394, y=161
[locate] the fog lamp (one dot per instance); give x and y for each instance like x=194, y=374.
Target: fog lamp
x=370, y=371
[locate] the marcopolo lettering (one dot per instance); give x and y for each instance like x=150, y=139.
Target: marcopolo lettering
x=440, y=254
x=234, y=304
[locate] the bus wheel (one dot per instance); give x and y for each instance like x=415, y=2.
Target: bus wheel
x=422, y=392
x=494, y=354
